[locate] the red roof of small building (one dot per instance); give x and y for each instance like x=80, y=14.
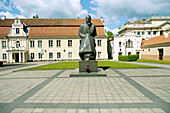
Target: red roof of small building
x=156, y=40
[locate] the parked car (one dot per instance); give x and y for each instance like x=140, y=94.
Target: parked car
x=1, y=63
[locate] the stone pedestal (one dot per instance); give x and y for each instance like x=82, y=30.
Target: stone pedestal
x=92, y=66
x=94, y=71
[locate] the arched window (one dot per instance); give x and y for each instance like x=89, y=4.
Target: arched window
x=129, y=43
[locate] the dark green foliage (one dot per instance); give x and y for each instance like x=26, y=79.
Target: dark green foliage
x=36, y=16
x=110, y=35
x=128, y=58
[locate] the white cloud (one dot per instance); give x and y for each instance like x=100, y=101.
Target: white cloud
x=50, y=8
x=9, y=15
x=114, y=31
x=112, y=10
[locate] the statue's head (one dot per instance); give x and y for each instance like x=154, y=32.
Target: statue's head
x=88, y=19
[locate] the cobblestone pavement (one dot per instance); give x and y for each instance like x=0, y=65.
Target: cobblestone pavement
x=53, y=91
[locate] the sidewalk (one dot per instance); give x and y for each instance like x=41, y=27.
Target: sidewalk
x=53, y=91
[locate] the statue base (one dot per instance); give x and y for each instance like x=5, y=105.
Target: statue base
x=94, y=71
x=91, y=63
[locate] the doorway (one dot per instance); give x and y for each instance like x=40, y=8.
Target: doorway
x=17, y=57
x=160, y=54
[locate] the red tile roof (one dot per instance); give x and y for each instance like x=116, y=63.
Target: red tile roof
x=50, y=22
x=156, y=40
x=52, y=27
x=4, y=31
x=60, y=31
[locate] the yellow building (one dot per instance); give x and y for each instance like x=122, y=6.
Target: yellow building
x=157, y=48
x=23, y=40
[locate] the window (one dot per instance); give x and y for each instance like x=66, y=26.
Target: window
x=120, y=53
x=69, y=54
x=31, y=43
x=3, y=44
x=99, y=42
x=69, y=43
x=129, y=53
x=129, y=43
x=50, y=43
x=143, y=33
x=17, y=44
x=40, y=55
x=39, y=43
x=149, y=32
x=99, y=54
x=120, y=43
x=4, y=56
x=50, y=55
x=58, y=43
x=32, y=55
x=161, y=32
x=154, y=32
x=80, y=42
x=17, y=30
x=138, y=33
x=58, y=55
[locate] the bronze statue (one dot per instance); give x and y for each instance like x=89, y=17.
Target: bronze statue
x=87, y=33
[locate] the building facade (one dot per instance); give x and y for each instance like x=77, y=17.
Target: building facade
x=128, y=44
x=157, y=48
x=23, y=40
x=152, y=27
x=131, y=34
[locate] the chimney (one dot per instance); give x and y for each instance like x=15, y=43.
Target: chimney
x=143, y=19
x=3, y=17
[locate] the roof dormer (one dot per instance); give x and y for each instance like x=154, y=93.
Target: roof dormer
x=17, y=21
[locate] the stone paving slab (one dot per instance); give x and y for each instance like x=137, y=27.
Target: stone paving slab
x=145, y=72
x=53, y=91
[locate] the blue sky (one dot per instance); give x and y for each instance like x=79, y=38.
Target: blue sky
x=114, y=12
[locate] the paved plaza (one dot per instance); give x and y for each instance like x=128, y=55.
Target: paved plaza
x=53, y=91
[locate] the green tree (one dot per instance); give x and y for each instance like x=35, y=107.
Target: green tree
x=110, y=35
x=36, y=16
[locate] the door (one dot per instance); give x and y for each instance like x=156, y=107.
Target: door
x=17, y=57
x=160, y=54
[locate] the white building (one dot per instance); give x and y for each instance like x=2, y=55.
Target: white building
x=128, y=44
x=131, y=34
x=149, y=28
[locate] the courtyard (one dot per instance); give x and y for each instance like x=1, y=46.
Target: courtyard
x=136, y=90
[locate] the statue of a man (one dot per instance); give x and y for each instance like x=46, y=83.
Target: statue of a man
x=87, y=33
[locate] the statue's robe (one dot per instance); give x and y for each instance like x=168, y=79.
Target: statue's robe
x=87, y=34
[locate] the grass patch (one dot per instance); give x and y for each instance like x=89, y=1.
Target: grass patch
x=74, y=65
x=154, y=61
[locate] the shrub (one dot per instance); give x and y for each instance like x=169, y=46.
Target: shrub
x=128, y=58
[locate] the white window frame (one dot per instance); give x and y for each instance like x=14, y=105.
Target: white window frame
x=32, y=55
x=99, y=43
x=4, y=56
x=70, y=54
x=39, y=44
x=32, y=44
x=58, y=54
x=99, y=54
x=50, y=55
x=39, y=55
x=58, y=43
x=50, y=43
x=70, y=43
x=3, y=45
x=17, y=30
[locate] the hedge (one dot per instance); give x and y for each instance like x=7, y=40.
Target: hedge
x=128, y=58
